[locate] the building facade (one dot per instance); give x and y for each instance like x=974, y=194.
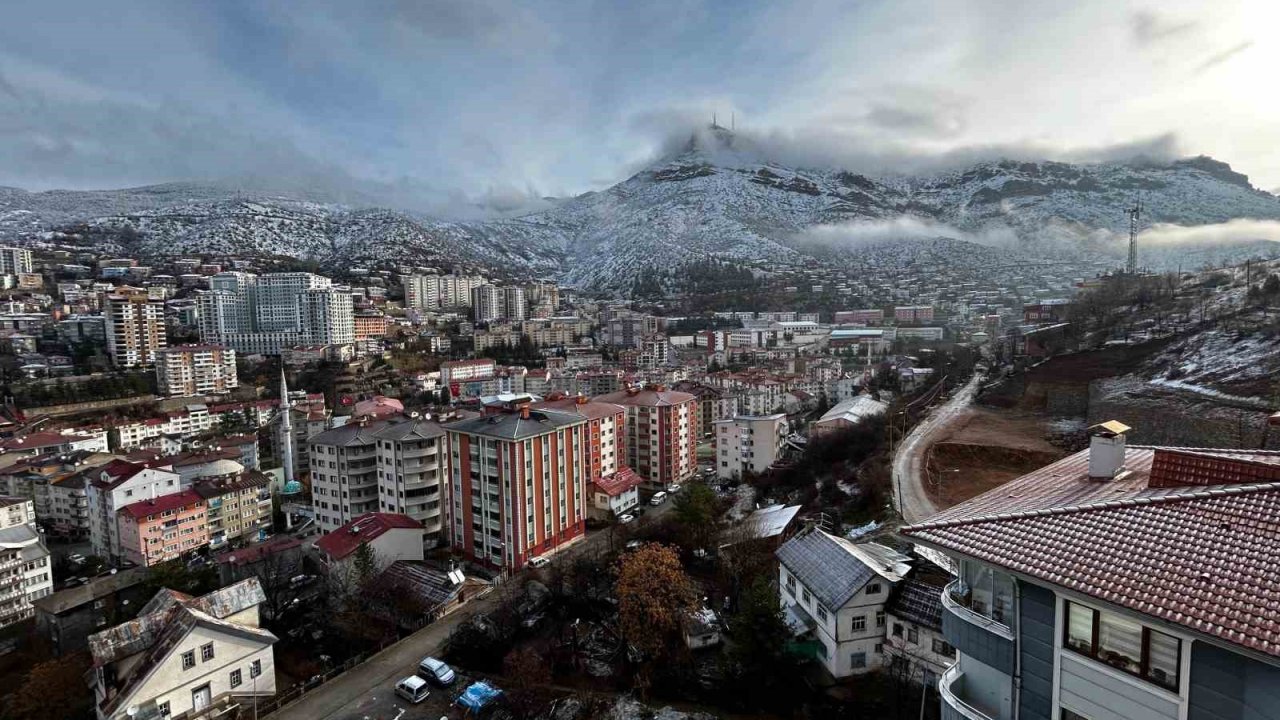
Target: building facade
x=749, y=443
x=26, y=574
x=661, y=432
x=196, y=370
x=135, y=329
x=164, y=528
x=411, y=470
x=266, y=314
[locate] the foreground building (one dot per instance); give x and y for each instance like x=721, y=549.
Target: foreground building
x=25, y=572
x=184, y=655
x=1117, y=583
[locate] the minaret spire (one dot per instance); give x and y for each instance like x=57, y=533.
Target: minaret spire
x=286, y=429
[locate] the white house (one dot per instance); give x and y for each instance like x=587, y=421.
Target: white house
x=613, y=495
x=913, y=632
x=836, y=590
x=183, y=655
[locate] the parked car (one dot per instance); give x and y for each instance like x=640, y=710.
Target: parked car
x=437, y=671
x=625, y=518
x=633, y=544
x=658, y=498
x=300, y=580
x=538, y=562
x=413, y=688
x=76, y=558
x=672, y=489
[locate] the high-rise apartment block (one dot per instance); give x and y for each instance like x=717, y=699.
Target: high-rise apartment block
x=433, y=292
x=518, y=482
x=135, y=329
x=14, y=260
x=264, y=314
x=25, y=571
x=487, y=303
x=196, y=370
x=662, y=432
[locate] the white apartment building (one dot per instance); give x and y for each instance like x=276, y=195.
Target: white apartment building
x=117, y=484
x=265, y=314
x=344, y=473
x=411, y=471
x=433, y=291
x=135, y=329
x=196, y=370
x=749, y=443
x=195, y=656
x=25, y=572
x=192, y=420
x=487, y=303
x=513, y=304
x=15, y=260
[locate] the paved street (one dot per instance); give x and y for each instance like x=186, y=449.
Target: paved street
x=367, y=691
x=909, y=494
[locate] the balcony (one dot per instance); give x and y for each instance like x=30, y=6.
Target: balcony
x=968, y=628
x=956, y=705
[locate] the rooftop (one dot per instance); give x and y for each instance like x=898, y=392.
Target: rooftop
x=651, y=396
x=163, y=503
x=72, y=598
x=515, y=425
x=1188, y=536
x=619, y=482
x=835, y=569
x=347, y=539
x=854, y=409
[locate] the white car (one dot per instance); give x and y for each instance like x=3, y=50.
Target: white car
x=658, y=498
x=437, y=671
x=414, y=689
x=672, y=489
x=626, y=518
x=76, y=558
x=538, y=562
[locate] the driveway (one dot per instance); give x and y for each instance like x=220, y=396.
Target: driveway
x=909, y=495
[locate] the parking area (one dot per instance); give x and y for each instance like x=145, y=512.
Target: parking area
x=382, y=702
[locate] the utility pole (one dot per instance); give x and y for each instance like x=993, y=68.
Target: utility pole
x=1135, y=213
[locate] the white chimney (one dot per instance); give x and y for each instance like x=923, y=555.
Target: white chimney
x=1106, y=449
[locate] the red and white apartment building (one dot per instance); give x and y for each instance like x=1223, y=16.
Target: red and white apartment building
x=662, y=432
x=519, y=477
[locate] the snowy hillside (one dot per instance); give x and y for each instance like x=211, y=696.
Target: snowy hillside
x=715, y=198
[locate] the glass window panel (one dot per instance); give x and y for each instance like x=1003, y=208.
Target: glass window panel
x=1002, y=598
x=1120, y=642
x=1162, y=660
x=1080, y=628
x=978, y=578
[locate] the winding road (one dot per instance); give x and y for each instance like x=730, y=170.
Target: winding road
x=909, y=495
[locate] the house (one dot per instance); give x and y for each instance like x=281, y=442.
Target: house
x=390, y=536
x=1119, y=582
x=765, y=525
x=835, y=591
x=615, y=494
x=279, y=557
x=68, y=617
x=184, y=655
x=163, y=528
x=701, y=629
x=914, y=643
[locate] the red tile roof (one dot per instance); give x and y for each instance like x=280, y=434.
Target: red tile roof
x=1153, y=541
x=619, y=482
x=345, y=540
x=593, y=409
x=173, y=501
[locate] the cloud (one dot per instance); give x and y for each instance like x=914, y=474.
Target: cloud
x=864, y=233
x=1150, y=28
x=1231, y=232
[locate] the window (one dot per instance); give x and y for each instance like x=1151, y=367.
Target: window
x=913, y=635
x=943, y=648
x=188, y=659
x=822, y=613
x=879, y=648
x=858, y=660
x=163, y=708
x=206, y=652
x=873, y=589
x=805, y=595
x=879, y=618
x=235, y=678
x=897, y=629
x=858, y=623
x=255, y=668
x=1124, y=644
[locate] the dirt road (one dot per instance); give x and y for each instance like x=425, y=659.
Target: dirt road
x=909, y=495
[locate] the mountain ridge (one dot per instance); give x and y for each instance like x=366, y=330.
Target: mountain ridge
x=713, y=199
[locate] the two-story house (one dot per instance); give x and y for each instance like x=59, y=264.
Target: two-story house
x=184, y=655
x=837, y=589
x=1119, y=583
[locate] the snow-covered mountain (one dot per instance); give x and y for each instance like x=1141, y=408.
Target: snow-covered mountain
x=716, y=198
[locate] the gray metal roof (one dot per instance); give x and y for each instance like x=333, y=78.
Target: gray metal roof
x=826, y=565
x=410, y=429
x=510, y=426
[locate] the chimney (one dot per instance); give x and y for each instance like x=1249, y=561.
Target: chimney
x=581, y=400
x=524, y=411
x=1106, y=449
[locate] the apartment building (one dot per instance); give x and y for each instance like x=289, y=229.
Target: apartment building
x=1120, y=582
x=163, y=528
x=434, y=292
x=25, y=572
x=185, y=656
x=196, y=370
x=411, y=470
x=749, y=443
x=266, y=314
x=514, y=307
x=661, y=431
x=344, y=472
x=518, y=482
x=913, y=314
x=115, y=485
x=15, y=261
x=487, y=303
x=238, y=508
x=135, y=329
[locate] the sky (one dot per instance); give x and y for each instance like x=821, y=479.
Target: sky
x=486, y=104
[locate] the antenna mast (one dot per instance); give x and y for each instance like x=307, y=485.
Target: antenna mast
x=1135, y=214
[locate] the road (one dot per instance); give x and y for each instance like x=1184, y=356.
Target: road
x=367, y=690
x=909, y=494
